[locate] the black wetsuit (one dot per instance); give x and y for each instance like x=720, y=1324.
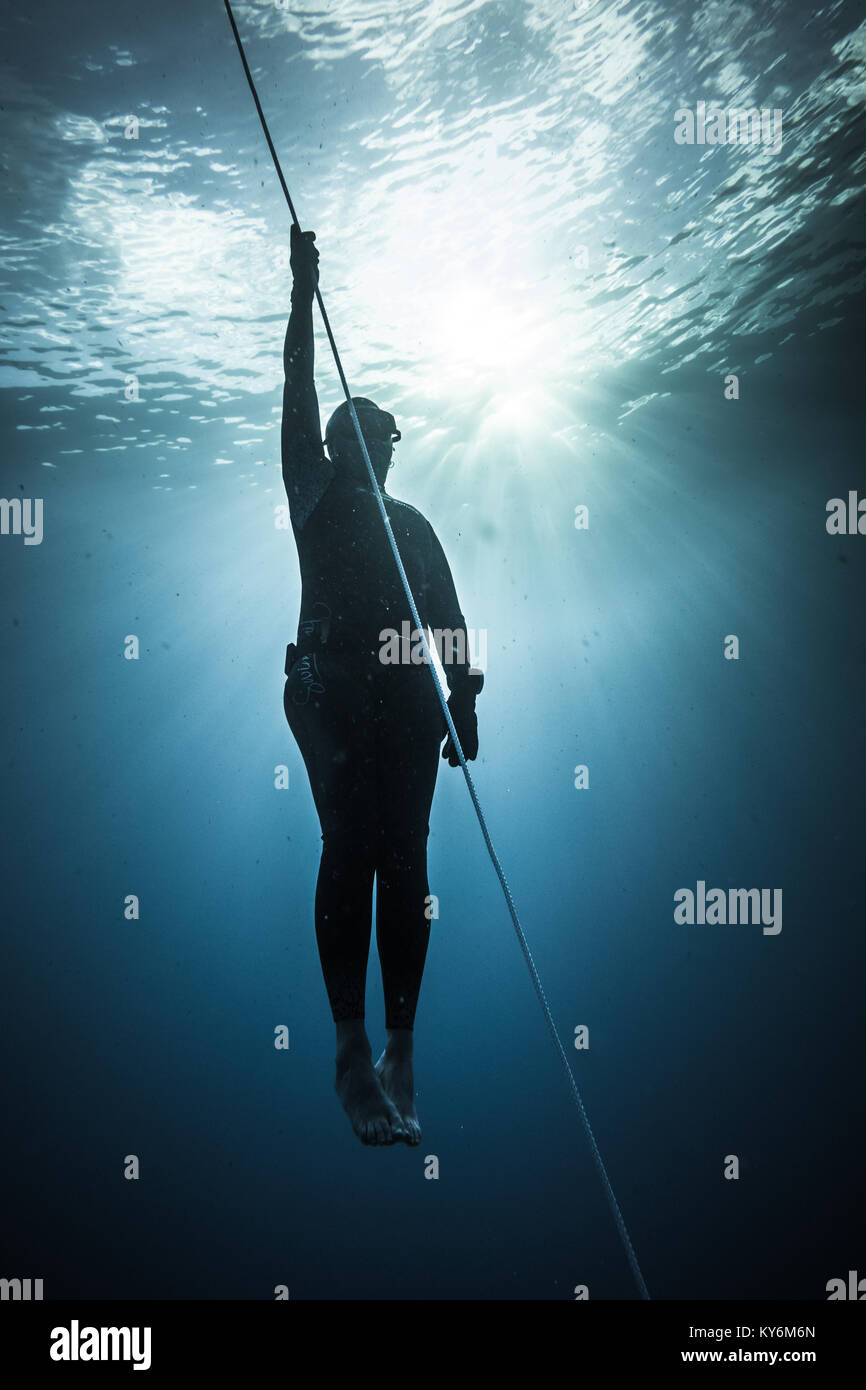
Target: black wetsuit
x=369, y=732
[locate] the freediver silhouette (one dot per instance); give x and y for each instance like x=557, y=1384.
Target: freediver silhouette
x=368, y=731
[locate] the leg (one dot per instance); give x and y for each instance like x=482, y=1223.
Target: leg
x=407, y=778
x=402, y=935
x=344, y=901
x=343, y=906
x=324, y=707
x=402, y=920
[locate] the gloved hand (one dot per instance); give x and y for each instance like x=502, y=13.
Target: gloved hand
x=304, y=260
x=461, y=707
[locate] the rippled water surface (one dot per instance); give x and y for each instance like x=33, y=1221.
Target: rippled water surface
x=502, y=211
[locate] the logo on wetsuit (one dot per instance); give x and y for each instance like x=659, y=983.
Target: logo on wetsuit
x=323, y=622
x=310, y=677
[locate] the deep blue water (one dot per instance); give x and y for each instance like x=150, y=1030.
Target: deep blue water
x=548, y=291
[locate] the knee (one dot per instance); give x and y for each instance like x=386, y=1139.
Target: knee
x=404, y=848
x=344, y=845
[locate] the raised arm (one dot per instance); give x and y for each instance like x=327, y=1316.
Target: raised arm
x=307, y=470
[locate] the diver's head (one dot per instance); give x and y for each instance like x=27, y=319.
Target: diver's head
x=380, y=434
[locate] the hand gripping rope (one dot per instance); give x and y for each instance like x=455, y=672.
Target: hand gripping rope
x=539, y=990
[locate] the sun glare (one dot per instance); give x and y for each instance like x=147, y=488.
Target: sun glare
x=471, y=327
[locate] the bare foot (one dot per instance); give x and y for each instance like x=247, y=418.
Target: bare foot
x=373, y=1117
x=395, y=1071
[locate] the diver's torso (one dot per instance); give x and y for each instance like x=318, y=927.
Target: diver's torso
x=350, y=586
